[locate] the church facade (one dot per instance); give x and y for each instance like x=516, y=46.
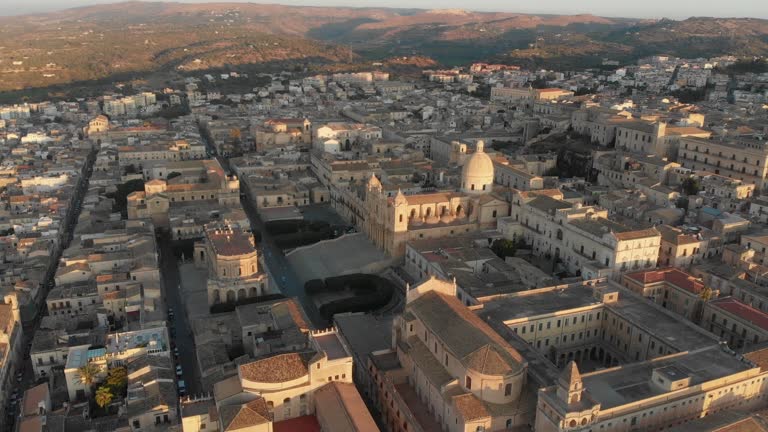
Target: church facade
x=391, y=221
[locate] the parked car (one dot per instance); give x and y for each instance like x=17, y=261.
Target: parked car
x=179, y=372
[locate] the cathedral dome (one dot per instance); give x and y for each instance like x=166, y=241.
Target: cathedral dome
x=477, y=174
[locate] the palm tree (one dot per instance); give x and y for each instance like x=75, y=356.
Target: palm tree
x=88, y=373
x=103, y=396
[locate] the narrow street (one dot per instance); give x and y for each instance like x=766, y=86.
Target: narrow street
x=183, y=340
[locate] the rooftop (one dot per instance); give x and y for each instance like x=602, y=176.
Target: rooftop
x=631, y=383
x=661, y=323
x=277, y=368
x=538, y=302
x=743, y=311
x=330, y=344
x=230, y=241
x=673, y=276
x=467, y=336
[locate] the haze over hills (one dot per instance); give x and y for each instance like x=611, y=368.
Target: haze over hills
x=105, y=40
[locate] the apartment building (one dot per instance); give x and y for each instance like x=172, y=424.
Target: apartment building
x=11, y=340
x=175, y=150
x=281, y=132
x=740, y=324
x=152, y=404
x=673, y=289
x=583, y=238
x=207, y=184
x=743, y=157
x=509, y=174
x=527, y=94
x=680, y=248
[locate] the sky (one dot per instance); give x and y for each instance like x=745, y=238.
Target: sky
x=679, y=9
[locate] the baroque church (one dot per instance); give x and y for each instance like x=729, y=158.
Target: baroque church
x=391, y=221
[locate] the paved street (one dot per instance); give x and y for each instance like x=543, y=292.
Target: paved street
x=181, y=324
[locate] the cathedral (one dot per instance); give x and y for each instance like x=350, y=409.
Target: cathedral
x=391, y=221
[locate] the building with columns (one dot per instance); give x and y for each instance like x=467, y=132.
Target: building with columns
x=391, y=221
x=235, y=271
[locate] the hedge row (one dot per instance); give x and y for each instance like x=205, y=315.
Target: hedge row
x=370, y=292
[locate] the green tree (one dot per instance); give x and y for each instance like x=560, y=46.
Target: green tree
x=104, y=396
x=173, y=174
x=691, y=186
x=87, y=374
x=503, y=248
x=117, y=377
x=123, y=190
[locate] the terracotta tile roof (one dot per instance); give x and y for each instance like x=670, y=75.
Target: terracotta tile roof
x=758, y=357
x=32, y=399
x=307, y=423
x=743, y=311
x=343, y=409
x=470, y=407
x=467, y=336
x=278, y=368
x=230, y=242
x=634, y=235
x=73, y=268
x=237, y=417
x=297, y=314
x=674, y=276
x=488, y=360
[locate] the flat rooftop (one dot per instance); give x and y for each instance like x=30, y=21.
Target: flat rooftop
x=365, y=333
x=662, y=324
x=537, y=302
x=331, y=345
x=624, y=385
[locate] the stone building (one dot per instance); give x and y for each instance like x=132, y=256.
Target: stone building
x=206, y=185
x=391, y=221
x=447, y=369
x=743, y=158
x=581, y=238
x=235, y=272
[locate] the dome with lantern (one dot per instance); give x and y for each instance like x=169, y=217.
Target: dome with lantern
x=477, y=174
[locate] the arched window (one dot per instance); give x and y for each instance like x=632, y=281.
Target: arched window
x=507, y=389
x=253, y=268
x=224, y=272
x=401, y=218
x=239, y=271
x=468, y=383
x=572, y=423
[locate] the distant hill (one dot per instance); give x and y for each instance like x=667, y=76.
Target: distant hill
x=121, y=39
